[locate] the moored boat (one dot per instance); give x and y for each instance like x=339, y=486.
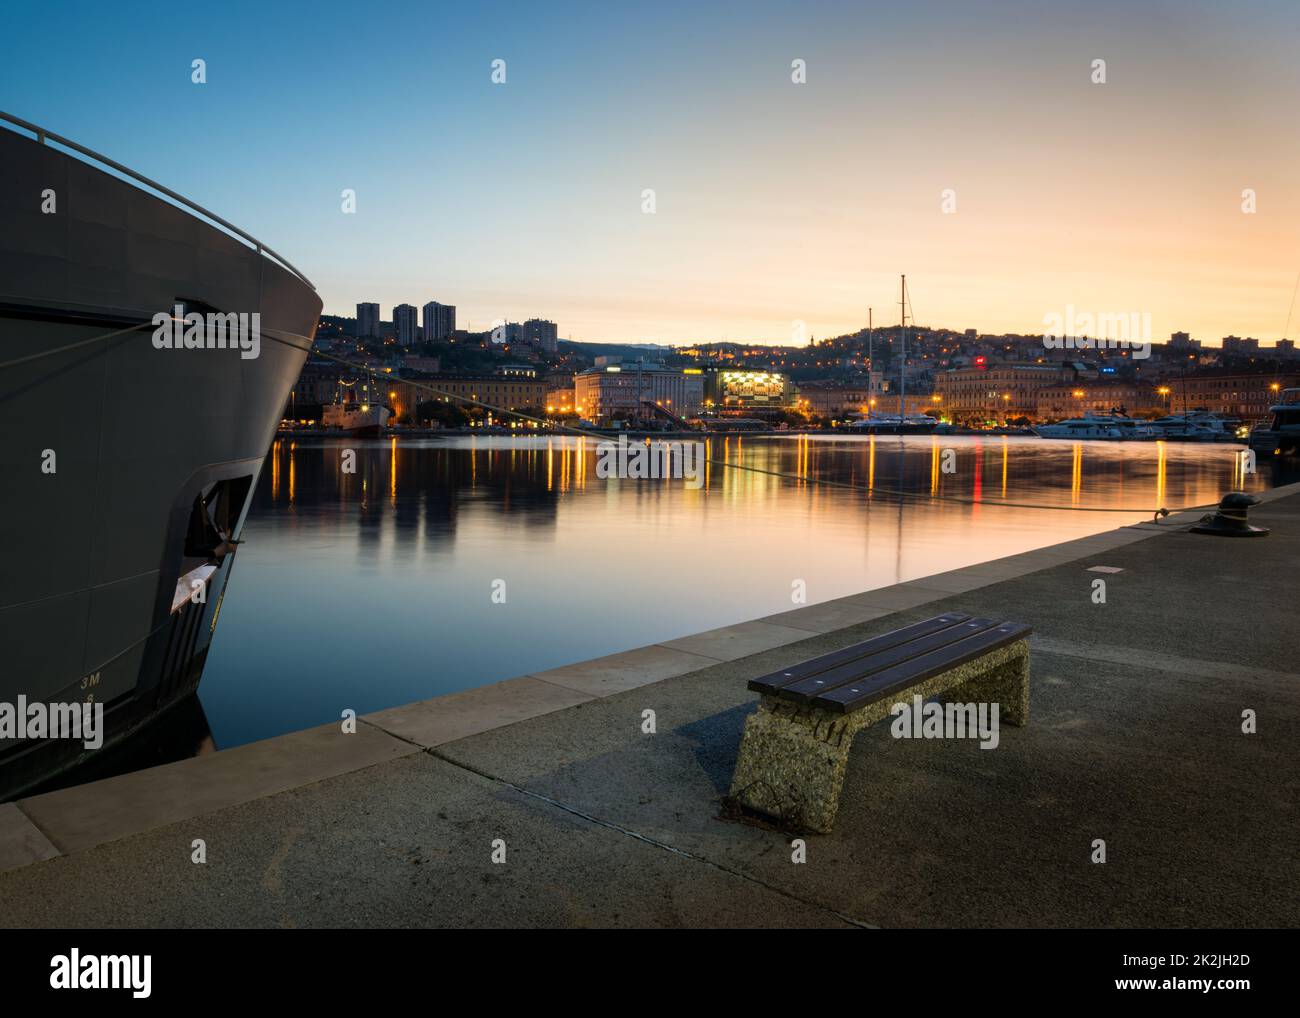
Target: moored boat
x=1196, y=426
x=129, y=464
x=1114, y=427
x=886, y=425
x=1280, y=433
x=355, y=418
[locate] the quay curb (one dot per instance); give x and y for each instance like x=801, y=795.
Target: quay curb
x=84, y=816
x=21, y=841
x=39, y=828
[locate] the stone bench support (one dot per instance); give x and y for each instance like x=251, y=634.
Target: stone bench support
x=793, y=756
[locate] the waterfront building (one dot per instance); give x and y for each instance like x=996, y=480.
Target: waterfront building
x=1059, y=402
x=317, y=383
x=560, y=401
x=1245, y=396
x=506, y=392
x=990, y=391
x=745, y=392
x=628, y=391
x=921, y=403
x=829, y=399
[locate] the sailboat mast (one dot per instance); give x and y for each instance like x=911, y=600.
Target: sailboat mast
x=871, y=335
x=871, y=362
x=902, y=364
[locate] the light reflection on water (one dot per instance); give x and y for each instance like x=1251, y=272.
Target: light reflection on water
x=372, y=589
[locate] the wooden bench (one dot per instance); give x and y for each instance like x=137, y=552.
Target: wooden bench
x=796, y=745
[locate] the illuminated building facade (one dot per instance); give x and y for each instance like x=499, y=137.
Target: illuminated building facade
x=505, y=392
x=1059, y=402
x=622, y=391
x=833, y=400
x=1247, y=396
x=994, y=391
x=560, y=401
x=743, y=392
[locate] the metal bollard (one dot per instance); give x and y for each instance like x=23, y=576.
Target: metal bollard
x=1230, y=520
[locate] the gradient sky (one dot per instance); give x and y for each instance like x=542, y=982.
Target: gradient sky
x=775, y=201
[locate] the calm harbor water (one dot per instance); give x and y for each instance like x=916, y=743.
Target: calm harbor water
x=375, y=588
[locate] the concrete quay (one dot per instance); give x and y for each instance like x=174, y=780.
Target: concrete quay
x=1135, y=738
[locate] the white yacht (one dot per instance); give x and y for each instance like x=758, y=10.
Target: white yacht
x=1113, y=427
x=912, y=424
x=1196, y=426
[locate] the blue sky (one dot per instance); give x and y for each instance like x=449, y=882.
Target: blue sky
x=775, y=202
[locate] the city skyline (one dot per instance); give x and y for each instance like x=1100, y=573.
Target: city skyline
x=369, y=321
x=774, y=202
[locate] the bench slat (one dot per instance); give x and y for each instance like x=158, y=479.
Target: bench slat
x=859, y=670
x=847, y=698
x=776, y=681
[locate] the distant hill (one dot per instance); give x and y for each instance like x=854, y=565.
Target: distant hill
x=630, y=351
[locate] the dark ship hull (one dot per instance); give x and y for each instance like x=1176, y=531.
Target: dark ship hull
x=154, y=452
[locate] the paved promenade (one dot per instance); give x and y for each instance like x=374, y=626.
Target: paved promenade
x=1135, y=738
